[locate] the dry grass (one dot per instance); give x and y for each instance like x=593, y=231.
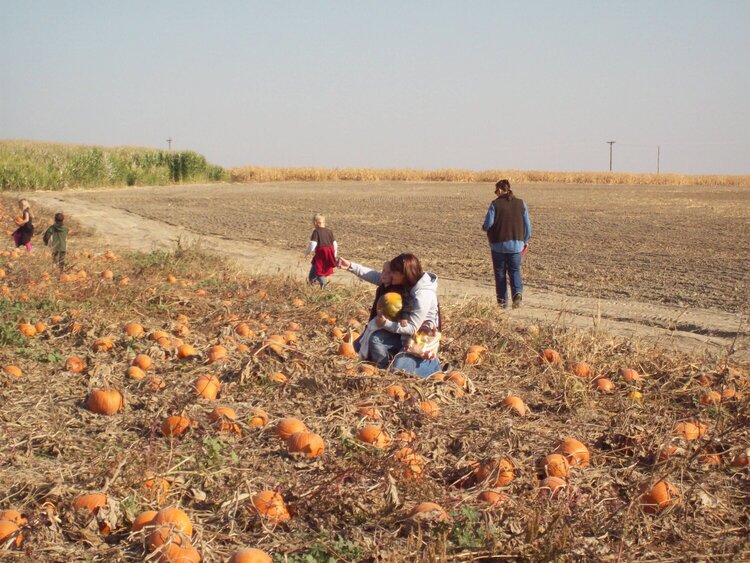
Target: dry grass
x=351, y=503
x=266, y=174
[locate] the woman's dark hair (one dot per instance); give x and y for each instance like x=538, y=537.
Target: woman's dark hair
x=504, y=185
x=409, y=265
x=59, y=217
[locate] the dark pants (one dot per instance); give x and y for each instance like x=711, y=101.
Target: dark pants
x=509, y=265
x=58, y=259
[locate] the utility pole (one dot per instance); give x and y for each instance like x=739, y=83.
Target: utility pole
x=169, y=143
x=658, y=156
x=610, y=154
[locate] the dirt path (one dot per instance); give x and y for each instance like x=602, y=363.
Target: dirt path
x=684, y=329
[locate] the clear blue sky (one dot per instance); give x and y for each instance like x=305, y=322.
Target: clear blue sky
x=470, y=84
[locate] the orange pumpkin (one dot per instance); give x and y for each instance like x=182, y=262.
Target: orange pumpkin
x=104, y=401
x=430, y=408
x=7, y=529
x=375, y=436
x=412, y=464
x=307, y=443
x=368, y=369
x=576, y=453
x=181, y=330
x=351, y=336
x=552, y=486
x=492, y=497
x=158, y=334
x=604, y=385
x=250, y=555
x=515, y=404
x=207, y=386
x=396, y=392
x=144, y=519
x=690, y=430
x=457, y=377
x=581, y=369
x=630, y=375
x=660, y=496
x=216, y=353
x=554, y=465
x=475, y=355
x=258, y=417
x=13, y=516
x=346, y=349
x=143, y=361
x=288, y=426
x=275, y=342
x=28, y=330
x=103, y=344
x=107, y=275
x=74, y=364
x=290, y=336
x=134, y=372
x=174, y=518
x=428, y=512
x=223, y=418
x=175, y=425
x=270, y=505
x=13, y=371
x=550, y=356
x=278, y=377
x=133, y=330
x=90, y=503
x=498, y=472
x=185, y=351
x=243, y=329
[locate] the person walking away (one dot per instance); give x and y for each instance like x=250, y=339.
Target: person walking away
x=56, y=237
x=508, y=229
x=22, y=235
x=324, y=248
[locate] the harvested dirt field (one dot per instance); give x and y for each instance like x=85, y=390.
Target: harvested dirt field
x=672, y=245
x=144, y=398
x=636, y=261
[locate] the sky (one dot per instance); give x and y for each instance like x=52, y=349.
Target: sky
x=496, y=84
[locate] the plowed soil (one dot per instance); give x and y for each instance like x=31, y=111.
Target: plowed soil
x=670, y=257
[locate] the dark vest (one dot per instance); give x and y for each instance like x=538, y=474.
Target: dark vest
x=508, y=223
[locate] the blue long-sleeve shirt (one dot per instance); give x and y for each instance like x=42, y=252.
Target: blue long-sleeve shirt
x=508, y=246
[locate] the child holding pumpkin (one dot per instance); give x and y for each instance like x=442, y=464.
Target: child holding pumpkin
x=22, y=235
x=386, y=345
x=324, y=248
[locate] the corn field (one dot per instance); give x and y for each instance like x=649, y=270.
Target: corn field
x=52, y=166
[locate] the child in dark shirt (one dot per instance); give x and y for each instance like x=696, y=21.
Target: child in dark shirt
x=324, y=248
x=383, y=280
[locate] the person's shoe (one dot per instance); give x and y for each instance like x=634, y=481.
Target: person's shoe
x=501, y=303
x=517, y=300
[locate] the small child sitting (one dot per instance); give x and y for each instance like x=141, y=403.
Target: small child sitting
x=56, y=237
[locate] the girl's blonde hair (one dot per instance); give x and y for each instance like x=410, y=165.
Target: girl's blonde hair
x=23, y=203
x=319, y=220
